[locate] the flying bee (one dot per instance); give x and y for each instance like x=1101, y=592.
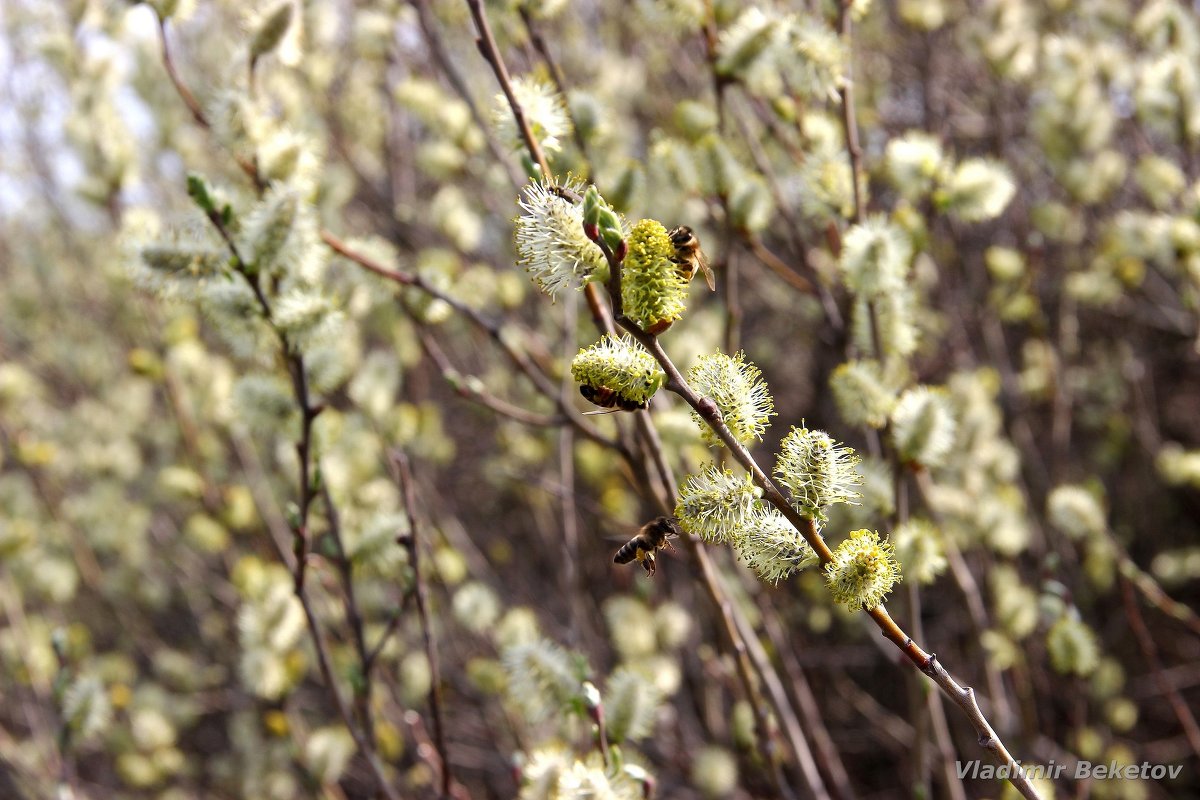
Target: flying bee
x=689, y=257
x=654, y=536
x=609, y=399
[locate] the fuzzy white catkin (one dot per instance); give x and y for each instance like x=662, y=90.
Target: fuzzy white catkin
x=923, y=426
x=328, y=752
x=551, y=244
x=630, y=705
x=713, y=504
x=817, y=471
x=875, y=257
x=544, y=110
x=739, y=392
x=768, y=544
x=913, y=161
x=1076, y=512
x=979, y=189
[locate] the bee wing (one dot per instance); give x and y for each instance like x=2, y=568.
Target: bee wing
x=709, y=277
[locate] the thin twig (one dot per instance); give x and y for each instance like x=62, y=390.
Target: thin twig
x=491, y=53
x=1179, y=706
x=825, y=752
x=412, y=543
x=494, y=331
x=560, y=83
x=446, y=64
x=354, y=617
x=471, y=388
x=306, y=468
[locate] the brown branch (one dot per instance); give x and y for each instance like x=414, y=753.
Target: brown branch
x=560, y=83
x=491, y=53
x=181, y=88
x=445, y=63
x=825, y=752
x=493, y=329
x=777, y=265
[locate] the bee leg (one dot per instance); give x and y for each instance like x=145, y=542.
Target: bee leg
x=648, y=563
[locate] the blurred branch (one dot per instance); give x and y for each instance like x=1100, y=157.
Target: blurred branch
x=1145, y=641
x=308, y=479
x=412, y=543
x=472, y=389
x=560, y=83
x=486, y=42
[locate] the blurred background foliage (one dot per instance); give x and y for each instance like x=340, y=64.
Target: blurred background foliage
x=1039, y=161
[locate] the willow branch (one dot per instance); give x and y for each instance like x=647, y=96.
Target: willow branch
x=606, y=317
x=491, y=53
x=963, y=696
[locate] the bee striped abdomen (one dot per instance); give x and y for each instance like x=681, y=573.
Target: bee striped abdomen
x=607, y=398
x=653, y=536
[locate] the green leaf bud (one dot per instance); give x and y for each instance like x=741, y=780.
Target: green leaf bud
x=271, y=30
x=610, y=228
x=591, y=207
x=197, y=189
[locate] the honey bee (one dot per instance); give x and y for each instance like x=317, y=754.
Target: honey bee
x=689, y=257
x=607, y=398
x=654, y=536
